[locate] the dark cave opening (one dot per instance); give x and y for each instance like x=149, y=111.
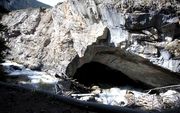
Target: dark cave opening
x=95, y=73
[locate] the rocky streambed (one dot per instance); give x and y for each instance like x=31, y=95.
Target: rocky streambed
x=20, y=75
x=158, y=99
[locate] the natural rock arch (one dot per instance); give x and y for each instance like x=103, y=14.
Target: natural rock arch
x=135, y=67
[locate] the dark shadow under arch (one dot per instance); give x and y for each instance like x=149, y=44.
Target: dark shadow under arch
x=95, y=73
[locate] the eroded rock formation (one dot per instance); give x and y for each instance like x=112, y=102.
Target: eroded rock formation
x=139, y=38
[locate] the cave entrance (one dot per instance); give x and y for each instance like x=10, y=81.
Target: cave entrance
x=98, y=74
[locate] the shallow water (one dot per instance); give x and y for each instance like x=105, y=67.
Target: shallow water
x=19, y=74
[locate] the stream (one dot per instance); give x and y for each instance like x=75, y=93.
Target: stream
x=19, y=74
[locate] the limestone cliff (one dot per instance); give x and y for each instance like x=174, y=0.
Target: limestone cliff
x=141, y=38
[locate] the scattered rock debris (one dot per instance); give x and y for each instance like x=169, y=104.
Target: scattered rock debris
x=125, y=97
x=159, y=99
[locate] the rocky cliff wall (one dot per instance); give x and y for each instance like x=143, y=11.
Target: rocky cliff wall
x=138, y=37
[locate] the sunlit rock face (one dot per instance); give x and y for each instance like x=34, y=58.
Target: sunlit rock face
x=139, y=38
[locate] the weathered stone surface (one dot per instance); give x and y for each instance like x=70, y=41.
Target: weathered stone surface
x=58, y=39
x=121, y=34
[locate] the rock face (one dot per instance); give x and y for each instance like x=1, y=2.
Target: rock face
x=140, y=38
